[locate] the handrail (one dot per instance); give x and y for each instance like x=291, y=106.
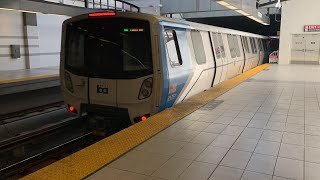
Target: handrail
x=115, y=7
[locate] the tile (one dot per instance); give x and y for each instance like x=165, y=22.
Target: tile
x=186, y=135
x=198, y=171
x=182, y=124
x=248, y=175
x=262, y=116
x=268, y=148
x=275, y=126
x=293, y=138
x=312, y=130
x=194, y=116
x=291, y=151
x=212, y=155
x=232, y=130
x=244, y=114
x=265, y=109
x=262, y=164
x=312, y=141
x=240, y=122
x=226, y=173
x=280, y=178
x=312, y=155
x=295, y=119
x=245, y=144
x=312, y=171
x=208, y=118
x=278, y=118
x=169, y=133
x=236, y=159
x=140, y=162
x=289, y=168
x=110, y=173
x=204, y=138
x=224, y=141
x=256, y=123
x=215, y=128
x=172, y=168
x=231, y=113
x=294, y=128
x=224, y=120
x=269, y=135
x=190, y=151
x=252, y=133
x=198, y=126
x=165, y=147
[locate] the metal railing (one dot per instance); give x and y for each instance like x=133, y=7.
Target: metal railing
x=116, y=5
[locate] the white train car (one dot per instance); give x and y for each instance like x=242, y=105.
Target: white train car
x=121, y=68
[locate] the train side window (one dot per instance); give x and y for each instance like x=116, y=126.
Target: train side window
x=222, y=50
x=173, y=47
x=237, y=48
x=198, y=47
x=231, y=45
x=216, y=45
x=253, y=45
x=247, y=44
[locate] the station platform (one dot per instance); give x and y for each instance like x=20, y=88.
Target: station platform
x=17, y=81
x=261, y=125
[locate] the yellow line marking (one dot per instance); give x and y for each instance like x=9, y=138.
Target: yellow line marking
x=28, y=79
x=86, y=161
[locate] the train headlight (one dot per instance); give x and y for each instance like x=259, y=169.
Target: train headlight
x=146, y=89
x=68, y=82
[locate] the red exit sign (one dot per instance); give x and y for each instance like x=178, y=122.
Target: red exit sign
x=312, y=28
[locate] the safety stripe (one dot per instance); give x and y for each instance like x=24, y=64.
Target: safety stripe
x=29, y=79
x=89, y=160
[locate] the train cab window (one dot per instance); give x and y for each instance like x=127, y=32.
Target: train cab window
x=173, y=48
x=198, y=47
x=222, y=50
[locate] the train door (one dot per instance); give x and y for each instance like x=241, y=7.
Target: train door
x=178, y=63
x=220, y=56
x=224, y=58
x=312, y=50
x=246, y=51
x=298, y=49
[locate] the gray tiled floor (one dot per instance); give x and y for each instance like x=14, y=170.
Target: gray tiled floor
x=267, y=128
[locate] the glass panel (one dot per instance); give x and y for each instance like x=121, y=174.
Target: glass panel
x=198, y=47
x=172, y=47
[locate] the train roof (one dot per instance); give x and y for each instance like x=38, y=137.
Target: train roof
x=177, y=23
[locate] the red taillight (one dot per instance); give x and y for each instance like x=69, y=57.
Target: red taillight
x=143, y=118
x=72, y=109
x=102, y=14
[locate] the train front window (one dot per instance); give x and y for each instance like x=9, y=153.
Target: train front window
x=109, y=48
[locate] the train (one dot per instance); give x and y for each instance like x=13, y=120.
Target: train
x=120, y=68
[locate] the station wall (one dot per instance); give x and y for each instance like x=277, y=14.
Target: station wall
x=295, y=15
x=39, y=43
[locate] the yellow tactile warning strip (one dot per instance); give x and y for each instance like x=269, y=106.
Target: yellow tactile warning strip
x=28, y=79
x=87, y=161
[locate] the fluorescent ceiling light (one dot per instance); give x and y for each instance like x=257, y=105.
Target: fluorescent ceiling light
x=7, y=9
x=242, y=12
x=231, y=7
x=223, y=3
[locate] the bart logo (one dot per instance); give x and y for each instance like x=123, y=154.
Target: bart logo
x=102, y=90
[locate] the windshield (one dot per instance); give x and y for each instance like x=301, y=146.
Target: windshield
x=109, y=48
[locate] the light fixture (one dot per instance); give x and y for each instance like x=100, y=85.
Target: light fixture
x=278, y=5
x=35, y=12
x=242, y=12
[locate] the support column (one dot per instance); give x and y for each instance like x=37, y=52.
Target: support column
x=31, y=33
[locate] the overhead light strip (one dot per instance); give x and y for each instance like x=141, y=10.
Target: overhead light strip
x=227, y=5
x=35, y=12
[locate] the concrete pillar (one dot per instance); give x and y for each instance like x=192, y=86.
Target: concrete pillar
x=31, y=32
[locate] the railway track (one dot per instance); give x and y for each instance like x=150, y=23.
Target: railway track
x=31, y=112
x=55, y=142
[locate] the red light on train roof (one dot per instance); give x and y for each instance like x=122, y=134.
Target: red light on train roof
x=102, y=14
